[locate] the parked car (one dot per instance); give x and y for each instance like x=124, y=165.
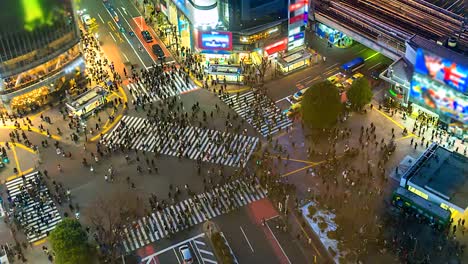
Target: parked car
x=157, y=50
x=147, y=36
x=186, y=254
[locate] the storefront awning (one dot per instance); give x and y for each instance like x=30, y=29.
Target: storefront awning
x=223, y=52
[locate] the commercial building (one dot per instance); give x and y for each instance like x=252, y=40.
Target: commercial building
x=39, y=52
x=440, y=176
x=433, y=79
x=238, y=31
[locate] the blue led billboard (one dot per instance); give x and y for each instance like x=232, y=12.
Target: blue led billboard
x=442, y=70
x=215, y=40
x=438, y=98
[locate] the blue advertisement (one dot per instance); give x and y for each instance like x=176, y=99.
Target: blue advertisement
x=436, y=97
x=442, y=70
x=215, y=40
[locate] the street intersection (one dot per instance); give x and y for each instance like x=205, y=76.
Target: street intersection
x=238, y=207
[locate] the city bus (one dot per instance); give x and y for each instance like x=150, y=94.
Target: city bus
x=353, y=65
x=406, y=200
x=86, y=103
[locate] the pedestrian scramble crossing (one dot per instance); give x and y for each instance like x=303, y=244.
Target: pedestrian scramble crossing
x=143, y=93
x=259, y=111
x=182, y=141
x=184, y=214
x=32, y=206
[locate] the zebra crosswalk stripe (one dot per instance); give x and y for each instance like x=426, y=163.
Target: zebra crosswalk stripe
x=243, y=105
x=29, y=216
x=138, y=90
x=192, y=142
x=154, y=227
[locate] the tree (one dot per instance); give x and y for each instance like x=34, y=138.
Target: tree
x=360, y=93
x=70, y=243
x=321, y=105
x=108, y=215
x=261, y=69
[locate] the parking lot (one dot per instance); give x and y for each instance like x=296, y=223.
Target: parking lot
x=200, y=252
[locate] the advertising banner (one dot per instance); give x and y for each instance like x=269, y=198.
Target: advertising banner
x=215, y=40
x=442, y=70
x=439, y=98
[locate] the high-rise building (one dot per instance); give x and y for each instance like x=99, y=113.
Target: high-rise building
x=240, y=31
x=39, y=52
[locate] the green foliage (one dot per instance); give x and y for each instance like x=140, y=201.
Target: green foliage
x=360, y=93
x=321, y=105
x=221, y=249
x=70, y=243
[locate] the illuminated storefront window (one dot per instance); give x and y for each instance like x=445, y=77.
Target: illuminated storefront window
x=37, y=97
x=35, y=74
x=333, y=36
x=418, y=192
x=272, y=32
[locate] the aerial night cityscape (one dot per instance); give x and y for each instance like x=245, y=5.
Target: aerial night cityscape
x=233, y=131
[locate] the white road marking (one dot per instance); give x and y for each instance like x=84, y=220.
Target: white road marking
x=248, y=242
x=142, y=44
x=205, y=252
x=374, y=66
x=112, y=35
x=197, y=252
x=100, y=17
x=177, y=256
x=331, y=66
x=172, y=247
x=125, y=56
x=306, y=78
x=363, y=49
x=200, y=242
x=125, y=36
x=313, y=80
x=282, y=250
x=125, y=11
x=209, y=260
x=285, y=98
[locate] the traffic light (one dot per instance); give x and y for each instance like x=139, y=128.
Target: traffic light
x=5, y=158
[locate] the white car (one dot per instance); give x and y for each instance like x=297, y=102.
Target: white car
x=186, y=254
x=298, y=96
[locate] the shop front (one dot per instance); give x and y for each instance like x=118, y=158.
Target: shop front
x=45, y=90
x=231, y=74
x=291, y=62
x=333, y=36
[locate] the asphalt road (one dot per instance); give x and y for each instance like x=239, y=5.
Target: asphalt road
x=335, y=57
x=120, y=47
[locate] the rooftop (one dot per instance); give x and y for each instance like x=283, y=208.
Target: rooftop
x=455, y=55
x=400, y=71
x=444, y=173
x=454, y=6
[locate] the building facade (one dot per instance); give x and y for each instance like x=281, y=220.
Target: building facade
x=235, y=31
x=433, y=79
x=39, y=52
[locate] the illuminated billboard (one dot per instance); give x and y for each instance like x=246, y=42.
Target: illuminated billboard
x=27, y=25
x=442, y=70
x=438, y=98
x=215, y=40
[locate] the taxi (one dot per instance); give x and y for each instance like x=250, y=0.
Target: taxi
x=300, y=94
x=293, y=109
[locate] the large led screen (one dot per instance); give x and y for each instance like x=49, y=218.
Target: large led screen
x=437, y=97
x=442, y=70
x=215, y=40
